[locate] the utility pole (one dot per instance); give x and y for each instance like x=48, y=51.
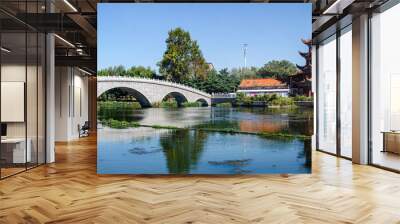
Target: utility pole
x=245, y=54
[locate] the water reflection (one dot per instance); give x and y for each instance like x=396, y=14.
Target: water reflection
x=182, y=149
x=198, y=152
x=160, y=151
x=288, y=120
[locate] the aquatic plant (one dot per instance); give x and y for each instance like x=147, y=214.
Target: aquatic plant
x=238, y=162
x=281, y=135
x=162, y=127
x=226, y=104
x=112, y=123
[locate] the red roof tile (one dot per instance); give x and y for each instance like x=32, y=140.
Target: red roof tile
x=268, y=82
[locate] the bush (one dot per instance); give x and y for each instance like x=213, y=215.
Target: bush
x=156, y=104
x=282, y=101
x=169, y=104
x=119, y=124
x=267, y=99
x=302, y=98
x=120, y=104
x=226, y=105
x=166, y=104
x=191, y=104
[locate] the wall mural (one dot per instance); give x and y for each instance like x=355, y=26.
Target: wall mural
x=204, y=88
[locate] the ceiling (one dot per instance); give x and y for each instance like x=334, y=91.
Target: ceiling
x=75, y=21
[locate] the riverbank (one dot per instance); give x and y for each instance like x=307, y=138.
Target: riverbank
x=125, y=124
x=119, y=104
x=136, y=105
x=174, y=104
x=279, y=102
x=193, y=140
x=271, y=100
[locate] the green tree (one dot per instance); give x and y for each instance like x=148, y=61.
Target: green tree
x=198, y=62
x=134, y=71
x=182, y=154
x=183, y=58
x=277, y=69
x=113, y=71
x=245, y=73
x=140, y=71
x=215, y=82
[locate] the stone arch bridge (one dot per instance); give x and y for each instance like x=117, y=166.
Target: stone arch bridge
x=149, y=91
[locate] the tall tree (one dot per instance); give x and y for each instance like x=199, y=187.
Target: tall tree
x=134, y=71
x=198, y=62
x=183, y=58
x=278, y=69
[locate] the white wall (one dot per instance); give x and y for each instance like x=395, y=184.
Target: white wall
x=33, y=125
x=71, y=102
x=12, y=73
x=80, y=104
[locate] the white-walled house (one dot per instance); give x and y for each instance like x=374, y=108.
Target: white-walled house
x=254, y=87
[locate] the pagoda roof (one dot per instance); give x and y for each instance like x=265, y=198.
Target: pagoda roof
x=306, y=55
x=303, y=67
x=306, y=41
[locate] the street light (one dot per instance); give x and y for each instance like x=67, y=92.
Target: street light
x=244, y=54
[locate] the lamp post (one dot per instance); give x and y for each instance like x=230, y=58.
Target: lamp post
x=245, y=54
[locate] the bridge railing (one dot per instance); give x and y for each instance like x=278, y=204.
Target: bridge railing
x=223, y=95
x=155, y=81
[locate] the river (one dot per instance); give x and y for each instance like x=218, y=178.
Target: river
x=147, y=150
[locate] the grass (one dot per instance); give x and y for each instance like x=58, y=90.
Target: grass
x=120, y=104
x=263, y=134
x=162, y=127
x=119, y=124
x=285, y=135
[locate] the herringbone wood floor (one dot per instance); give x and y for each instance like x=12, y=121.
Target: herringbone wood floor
x=70, y=191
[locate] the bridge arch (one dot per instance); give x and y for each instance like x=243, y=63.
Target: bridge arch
x=143, y=101
x=179, y=97
x=151, y=91
x=203, y=102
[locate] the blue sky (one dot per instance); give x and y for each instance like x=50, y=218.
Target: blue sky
x=135, y=34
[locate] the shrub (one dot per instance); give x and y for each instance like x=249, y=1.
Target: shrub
x=191, y=104
x=119, y=124
x=120, y=104
x=156, y=104
x=268, y=99
x=302, y=98
x=226, y=104
x=165, y=104
x=282, y=101
x=169, y=104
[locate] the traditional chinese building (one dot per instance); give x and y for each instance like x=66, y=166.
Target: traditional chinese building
x=300, y=83
x=253, y=87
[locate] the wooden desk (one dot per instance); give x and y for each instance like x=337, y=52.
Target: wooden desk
x=391, y=141
x=17, y=148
